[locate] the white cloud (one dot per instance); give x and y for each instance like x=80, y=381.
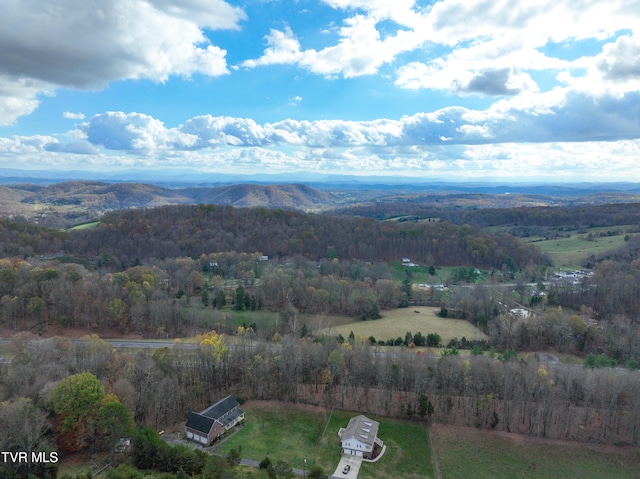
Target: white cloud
x=90, y=43
x=73, y=116
x=467, y=47
x=594, y=161
x=283, y=48
x=561, y=114
x=213, y=14
x=361, y=50
x=18, y=97
x=133, y=132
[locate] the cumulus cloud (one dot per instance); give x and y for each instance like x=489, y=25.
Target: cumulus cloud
x=560, y=115
x=361, y=50
x=133, y=131
x=283, y=48
x=90, y=43
x=553, y=160
x=69, y=115
x=621, y=60
x=18, y=97
x=497, y=83
x=490, y=48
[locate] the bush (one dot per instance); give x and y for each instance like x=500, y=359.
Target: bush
x=265, y=463
x=150, y=452
x=599, y=361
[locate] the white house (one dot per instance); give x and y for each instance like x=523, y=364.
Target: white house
x=360, y=437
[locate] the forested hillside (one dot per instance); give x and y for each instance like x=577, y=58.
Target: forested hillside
x=477, y=214
x=195, y=230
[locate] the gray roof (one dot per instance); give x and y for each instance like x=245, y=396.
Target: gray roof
x=199, y=423
x=361, y=428
x=224, y=411
x=221, y=408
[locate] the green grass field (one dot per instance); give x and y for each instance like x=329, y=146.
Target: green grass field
x=86, y=226
x=420, y=274
x=396, y=322
x=293, y=433
x=220, y=320
x=463, y=453
x=569, y=252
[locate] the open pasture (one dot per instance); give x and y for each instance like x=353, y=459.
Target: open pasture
x=396, y=322
x=463, y=453
x=569, y=252
x=86, y=226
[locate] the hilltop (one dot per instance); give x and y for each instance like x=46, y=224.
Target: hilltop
x=71, y=202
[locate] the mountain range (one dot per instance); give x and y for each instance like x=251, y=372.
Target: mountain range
x=68, y=203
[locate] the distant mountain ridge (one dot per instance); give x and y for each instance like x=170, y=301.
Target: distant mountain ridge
x=72, y=202
x=126, y=195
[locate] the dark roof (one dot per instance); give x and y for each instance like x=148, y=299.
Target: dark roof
x=231, y=417
x=221, y=408
x=199, y=423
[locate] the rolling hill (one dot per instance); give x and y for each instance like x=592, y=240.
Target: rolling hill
x=72, y=202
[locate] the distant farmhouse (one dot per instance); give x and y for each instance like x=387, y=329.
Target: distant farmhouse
x=204, y=427
x=360, y=438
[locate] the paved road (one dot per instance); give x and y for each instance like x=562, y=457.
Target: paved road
x=124, y=343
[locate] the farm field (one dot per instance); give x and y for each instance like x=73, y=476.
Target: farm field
x=86, y=226
x=421, y=275
x=466, y=452
x=569, y=252
x=294, y=432
x=396, y=322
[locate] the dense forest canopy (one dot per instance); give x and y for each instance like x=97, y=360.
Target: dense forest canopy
x=475, y=214
x=202, y=229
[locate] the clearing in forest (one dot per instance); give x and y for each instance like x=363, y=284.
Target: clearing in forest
x=396, y=322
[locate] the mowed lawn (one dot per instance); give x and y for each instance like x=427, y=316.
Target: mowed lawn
x=395, y=323
x=463, y=453
x=293, y=433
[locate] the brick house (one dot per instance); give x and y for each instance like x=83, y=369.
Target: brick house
x=205, y=426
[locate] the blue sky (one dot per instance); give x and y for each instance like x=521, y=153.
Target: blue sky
x=450, y=89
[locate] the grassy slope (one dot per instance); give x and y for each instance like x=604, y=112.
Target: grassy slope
x=86, y=226
x=395, y=323
x=569, y=252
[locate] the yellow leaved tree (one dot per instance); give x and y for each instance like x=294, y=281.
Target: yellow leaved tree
x=213, y=343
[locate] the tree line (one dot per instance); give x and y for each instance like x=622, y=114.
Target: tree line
x=159, y=388
x=582, y=216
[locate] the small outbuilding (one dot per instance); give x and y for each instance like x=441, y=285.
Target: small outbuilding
x=206, y=426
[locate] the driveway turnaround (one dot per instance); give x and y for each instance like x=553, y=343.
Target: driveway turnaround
x=354, y=467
